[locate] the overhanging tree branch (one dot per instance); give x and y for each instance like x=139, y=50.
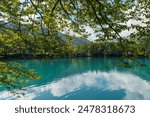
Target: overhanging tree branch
x=120, y=38
x=55, y=6
x=68, y=15
x=73, y=4
x=97, y=18
x=41, y=21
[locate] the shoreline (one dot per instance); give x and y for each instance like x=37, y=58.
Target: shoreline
x=47, y=56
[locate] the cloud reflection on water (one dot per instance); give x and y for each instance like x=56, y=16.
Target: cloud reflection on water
x=134, y=86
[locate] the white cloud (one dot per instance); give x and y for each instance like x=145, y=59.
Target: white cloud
x=126, y=33
x=134, y=86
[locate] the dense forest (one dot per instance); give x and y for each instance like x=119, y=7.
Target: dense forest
x=32, y=28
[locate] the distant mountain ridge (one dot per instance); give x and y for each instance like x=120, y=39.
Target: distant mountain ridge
x=74, y=40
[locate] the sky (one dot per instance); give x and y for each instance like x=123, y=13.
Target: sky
x=124, y=33
x=129, y=23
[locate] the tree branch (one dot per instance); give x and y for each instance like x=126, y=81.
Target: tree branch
x=120, y=38
x=36, y=9
x=97, y=18
x=66, y=12
x=40, y=16
x=73, y=4
x=55, y=6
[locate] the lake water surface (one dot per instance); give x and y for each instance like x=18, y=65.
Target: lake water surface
x=85, y=79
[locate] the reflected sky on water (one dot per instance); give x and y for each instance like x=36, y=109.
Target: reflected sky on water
x=85, y=78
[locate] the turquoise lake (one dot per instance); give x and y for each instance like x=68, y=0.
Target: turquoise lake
x=85, y=79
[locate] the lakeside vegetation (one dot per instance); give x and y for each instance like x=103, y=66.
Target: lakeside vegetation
x=42, y=47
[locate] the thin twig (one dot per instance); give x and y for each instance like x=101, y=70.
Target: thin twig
x=41, y=22
x=120, y=38
x=55, y=6
x=97, y=18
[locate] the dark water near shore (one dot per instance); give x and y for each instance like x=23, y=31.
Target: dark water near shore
x=85, y=78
